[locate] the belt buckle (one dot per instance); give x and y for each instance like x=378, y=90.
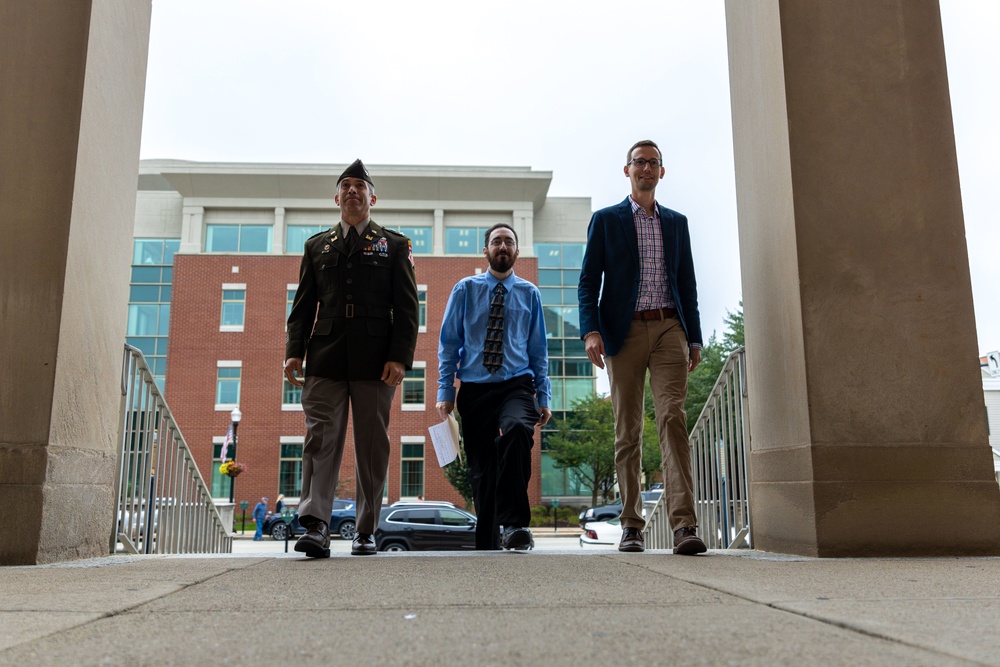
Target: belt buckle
x=349, y=311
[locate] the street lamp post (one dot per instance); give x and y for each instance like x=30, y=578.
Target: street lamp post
x=244, y=504
x=236, y=416
x=287, y=514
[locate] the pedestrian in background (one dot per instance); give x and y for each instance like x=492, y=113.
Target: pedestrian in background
x=259, y=515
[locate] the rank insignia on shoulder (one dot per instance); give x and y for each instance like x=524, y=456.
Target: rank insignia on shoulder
x=409, y=251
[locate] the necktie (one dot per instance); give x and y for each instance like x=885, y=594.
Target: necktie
x=352, y=239
x=493, y=349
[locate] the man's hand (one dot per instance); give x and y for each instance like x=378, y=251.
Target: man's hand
x=444, y=408
x=393, y=373
x=694, y=358
x=595, y=349
x=293, y=365
x=544, y=416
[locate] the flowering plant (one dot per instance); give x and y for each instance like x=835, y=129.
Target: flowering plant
x=232, y=468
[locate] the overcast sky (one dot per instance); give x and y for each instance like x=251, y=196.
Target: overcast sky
x=554, y=85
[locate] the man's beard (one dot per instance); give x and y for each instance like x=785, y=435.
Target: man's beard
x=501, y=263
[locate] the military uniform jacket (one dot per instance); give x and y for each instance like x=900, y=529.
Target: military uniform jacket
x=367, y=305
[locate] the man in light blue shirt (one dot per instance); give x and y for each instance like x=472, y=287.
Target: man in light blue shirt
x=493, y=341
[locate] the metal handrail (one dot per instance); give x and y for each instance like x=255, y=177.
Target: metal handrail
x=164, y=506
x=720, y=441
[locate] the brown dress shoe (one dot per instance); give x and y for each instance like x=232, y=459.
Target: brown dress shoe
x=687, y=543
x=632, y=540
x=316, y=542
x=363, y=545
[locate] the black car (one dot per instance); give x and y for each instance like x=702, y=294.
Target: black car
x=614, y=510
x=425, y=527
x=343, y=519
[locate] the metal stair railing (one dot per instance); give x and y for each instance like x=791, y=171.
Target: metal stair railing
x=163, y=505
x=720, y=441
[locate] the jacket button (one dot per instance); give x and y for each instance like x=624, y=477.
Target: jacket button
x=350, y=281
x=350, y=297
x=350, y=266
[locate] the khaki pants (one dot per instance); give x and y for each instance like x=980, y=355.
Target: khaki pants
x=661, y=347
x=325, y=403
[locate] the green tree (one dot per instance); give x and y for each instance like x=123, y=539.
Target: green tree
x=733, y=338
x=713, y=358
x=585, y=444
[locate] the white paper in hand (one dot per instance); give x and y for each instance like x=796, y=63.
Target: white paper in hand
x=444, y=436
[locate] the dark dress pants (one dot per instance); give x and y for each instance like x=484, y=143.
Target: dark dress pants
x=498, y=424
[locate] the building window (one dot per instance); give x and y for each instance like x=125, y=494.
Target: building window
x=297, y=235
x=290, y=469
x=413, y=388
x=149, y=302
x=233, y=307
x=421, y=238
x=220, y=482
x=289, y=300
x=412, y=478
x=422, y=308
x=291, y=396
x=238, y=238
x=464, y=240
x=227, y=386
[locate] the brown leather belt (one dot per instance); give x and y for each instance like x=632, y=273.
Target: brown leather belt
x=656, y=314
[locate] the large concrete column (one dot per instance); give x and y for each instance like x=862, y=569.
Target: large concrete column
x=71, y=95
x=869, y=433
x=867, y=417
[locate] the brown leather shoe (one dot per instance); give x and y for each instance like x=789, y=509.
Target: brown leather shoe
x=687, y=543
x=363, y=545
x=632, y=540
x=316, y=542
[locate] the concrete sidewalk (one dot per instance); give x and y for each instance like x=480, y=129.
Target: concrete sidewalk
x=553, y=608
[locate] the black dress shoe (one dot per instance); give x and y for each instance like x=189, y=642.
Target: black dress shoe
x=363, y=545
x=316, y=542
x=517, y=539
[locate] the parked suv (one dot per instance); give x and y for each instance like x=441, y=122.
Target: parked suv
x=343, y=519
x=425, y=526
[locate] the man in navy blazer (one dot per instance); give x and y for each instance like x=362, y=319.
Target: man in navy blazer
x=645, y=317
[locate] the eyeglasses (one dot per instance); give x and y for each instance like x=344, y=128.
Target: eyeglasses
x=640, y=163
x=496, y=243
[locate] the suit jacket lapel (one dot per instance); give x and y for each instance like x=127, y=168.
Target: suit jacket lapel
x=628, y=226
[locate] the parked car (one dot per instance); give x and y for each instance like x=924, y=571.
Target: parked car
x=425, y=526
x=601, y=533
x=614, y=510
x=343, y=520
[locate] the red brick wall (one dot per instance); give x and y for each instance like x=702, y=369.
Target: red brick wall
x=196, y=345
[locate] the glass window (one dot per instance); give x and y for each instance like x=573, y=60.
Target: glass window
x=555, y=347
x=292, y=395
x=233, y=307
x=549, y=255
x=421, y=237
x=577, y=389
x=551, y=296
x=578, y=368
x=142, y=319
x=144, y=294
x=255, y=238
x=558, y=402
x=412, y=483
x=549, y=278
x=290, y=470
x=413, y=388
x=222, y=238
x=297, y=235
x=145, y=345
x=147, y=251
x=288, y=303
x=572, y=255
x=553, y=322
x=163, y=325
x=422, y=303
x=463, y=240
x=227, y=386
x=146, y=274
x=575, y=348
x=555, y=367
x=170, y=246
x=571, y=277
x=165, y=293
x=451, y=517
x=423, y=516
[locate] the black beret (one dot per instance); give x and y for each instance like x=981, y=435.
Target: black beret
x=356, y=170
